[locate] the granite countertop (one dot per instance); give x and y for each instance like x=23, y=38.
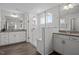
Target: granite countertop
x=13, y=30
x=68, y=34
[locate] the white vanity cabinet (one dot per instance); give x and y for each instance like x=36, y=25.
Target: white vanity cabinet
x=4, y=38
x=15, y=37
x=72, y=46
x=60, y=43
x=12, y=37
x=65, y=44
x=20, y=36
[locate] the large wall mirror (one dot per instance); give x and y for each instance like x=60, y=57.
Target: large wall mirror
x=69, y=17
x=12, y=20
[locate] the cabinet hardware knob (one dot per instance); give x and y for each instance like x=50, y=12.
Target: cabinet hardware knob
x=63, y=42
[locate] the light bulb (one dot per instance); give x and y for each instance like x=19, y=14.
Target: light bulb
x=14, y=15
x=70, y=6
x=66, y=7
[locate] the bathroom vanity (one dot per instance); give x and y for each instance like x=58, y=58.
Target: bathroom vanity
x=11, y=37
x=66, y=43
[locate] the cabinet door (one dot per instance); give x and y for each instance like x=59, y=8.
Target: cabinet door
x=58, y=45
x=72, y=46
x=20, y=36
x=12, y=37
x=3, y=38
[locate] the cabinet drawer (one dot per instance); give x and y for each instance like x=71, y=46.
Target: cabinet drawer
x=3, y=40
x=74, y=38
x=3, y=34
x=12, y=37
x=61, y=36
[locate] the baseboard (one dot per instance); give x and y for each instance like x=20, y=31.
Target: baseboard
x=13, y=43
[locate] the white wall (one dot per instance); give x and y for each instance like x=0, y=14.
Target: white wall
x=0, y=19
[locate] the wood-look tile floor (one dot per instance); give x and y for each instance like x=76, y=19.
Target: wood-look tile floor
x=18, y=49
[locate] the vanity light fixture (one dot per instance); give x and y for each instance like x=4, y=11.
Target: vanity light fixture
x=66, y=7
x=14, y=15
x=70, y=6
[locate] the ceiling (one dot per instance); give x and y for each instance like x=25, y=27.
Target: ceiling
x=33, y=8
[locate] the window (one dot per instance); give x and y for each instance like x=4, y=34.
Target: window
x=49, y=18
